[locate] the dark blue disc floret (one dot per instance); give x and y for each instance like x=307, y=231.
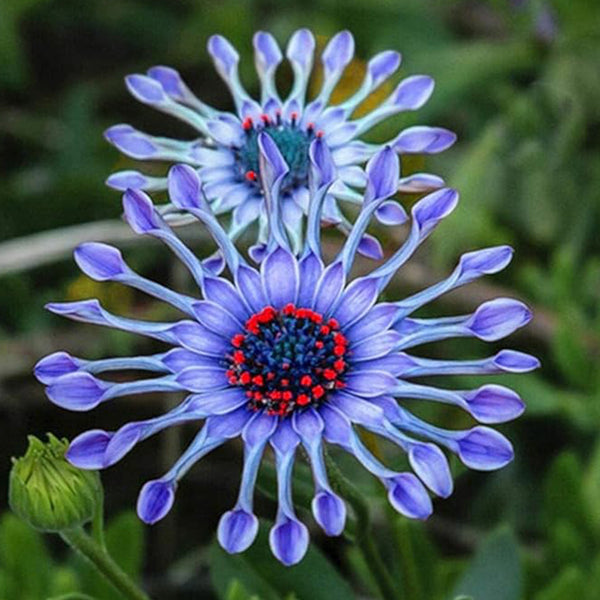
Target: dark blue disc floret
x=292, y=141
x=287, y=359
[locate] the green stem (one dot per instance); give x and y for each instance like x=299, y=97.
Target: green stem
x=407, y=559
x=80, y=541
x=364, y=538
x=98, y=519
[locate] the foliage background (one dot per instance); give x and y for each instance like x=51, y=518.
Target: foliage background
x=520, y=83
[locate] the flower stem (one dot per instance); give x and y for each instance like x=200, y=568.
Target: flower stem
x=364, y=538
x=87, y=546
x=407, y=559
x=98, y=519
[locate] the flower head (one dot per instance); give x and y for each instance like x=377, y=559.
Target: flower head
x=226, y=153
x=295, y=354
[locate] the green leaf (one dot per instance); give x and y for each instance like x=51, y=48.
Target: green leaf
x=567, y=545
x=563, y=495
x=314, y=578
x=125, y=543
x=591, y=488
x=64, y=580
x=225, y=569
x=494, y=573
x=237, y=591
x=24, y=579
x=569, y=583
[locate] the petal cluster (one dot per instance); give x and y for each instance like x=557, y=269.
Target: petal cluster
x=226, y=153
x=257, y=325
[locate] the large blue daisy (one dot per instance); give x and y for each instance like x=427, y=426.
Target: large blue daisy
x=295, y=354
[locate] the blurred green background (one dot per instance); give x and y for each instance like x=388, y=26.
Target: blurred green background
x=519, y=81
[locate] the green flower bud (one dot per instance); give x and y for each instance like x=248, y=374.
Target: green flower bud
x=50, y=493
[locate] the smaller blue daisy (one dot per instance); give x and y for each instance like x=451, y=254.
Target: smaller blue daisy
x=296, y=354
x=226, y=152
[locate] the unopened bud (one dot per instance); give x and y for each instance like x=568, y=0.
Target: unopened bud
x=48, y=492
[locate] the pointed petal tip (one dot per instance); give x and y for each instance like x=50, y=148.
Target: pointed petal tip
x=498, y=318
x=408, y=496
x=77, y=391
x=329, y=511
x=155, y=500
x=431, y=466
x=493, y=403
x=87, y=450
x=99, y=261
x=145, y=89
x=237, y=530
x=140, y=212
x=122, y=180
x=289, y=541
x=53, y=366
x=185, y=186
x=484, y=449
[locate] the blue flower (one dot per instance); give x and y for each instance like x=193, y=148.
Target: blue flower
x=226, y=154
x=295, y=354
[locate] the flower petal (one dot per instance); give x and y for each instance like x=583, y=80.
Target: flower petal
x=289, y=541
x=498, y=318
x=237, y=530
x=77, y=391
x=280, y=277
x=484, y=449
x=329, y=511
x=421, y=139
x=155, y=500
x=408, y=496
x=87, y=450
x=430, y=464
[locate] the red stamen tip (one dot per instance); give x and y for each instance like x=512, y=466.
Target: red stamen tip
x=318, y=391
x=238, y=340
x=251, y=176
x=329, y=374
x=303, y=399
x=289, y=309
x=306, y=380
x=339, y=339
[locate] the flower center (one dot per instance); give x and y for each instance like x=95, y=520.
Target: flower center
x=287, y=359
x=292, y=141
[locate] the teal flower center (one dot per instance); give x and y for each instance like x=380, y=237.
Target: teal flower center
x=293, y=143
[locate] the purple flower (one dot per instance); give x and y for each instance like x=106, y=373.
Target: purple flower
x=296, y=354
x=226, y=151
